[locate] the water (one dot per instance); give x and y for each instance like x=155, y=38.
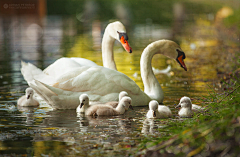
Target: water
x=40, y=131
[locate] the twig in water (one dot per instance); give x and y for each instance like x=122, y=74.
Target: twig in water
x=229, y=93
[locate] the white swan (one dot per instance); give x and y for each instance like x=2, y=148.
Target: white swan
x=158, y=111
x=114, y=31
x=187, y=108
x=27, y=99
x=103, y=84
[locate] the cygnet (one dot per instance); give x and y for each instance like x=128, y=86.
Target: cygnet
x=27, y=99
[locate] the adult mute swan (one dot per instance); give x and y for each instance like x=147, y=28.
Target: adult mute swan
x=28, y=99
x=114, y=31
x=103, y=84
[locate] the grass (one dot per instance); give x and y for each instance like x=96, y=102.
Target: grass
x=214, y=132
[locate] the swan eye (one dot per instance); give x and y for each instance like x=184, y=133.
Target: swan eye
x=124, y=41
x=122, y=35
x=181, y=53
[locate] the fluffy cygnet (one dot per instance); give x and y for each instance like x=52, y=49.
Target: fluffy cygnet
x=107, y=110
x=84, y=103
x=158, y=111
x=187, y=107
x=114, y=104
x=27, y=99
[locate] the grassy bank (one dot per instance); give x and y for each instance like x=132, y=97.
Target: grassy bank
x=211, y=133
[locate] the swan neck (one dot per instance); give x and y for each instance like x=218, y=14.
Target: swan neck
x=151, y=85
x=86, y=106
x=120, y=108
x=107, y=51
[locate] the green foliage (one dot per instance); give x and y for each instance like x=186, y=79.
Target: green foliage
x=217, y=128
x=233, y=20
x=136, y=11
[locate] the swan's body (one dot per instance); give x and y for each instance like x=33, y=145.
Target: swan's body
x=103, y=84
x=158, y=111
x=107, y=110
x=187, y=108
x=27, y=99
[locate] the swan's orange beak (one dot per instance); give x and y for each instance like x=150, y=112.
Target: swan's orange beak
x=125, y=44
x=181, y=62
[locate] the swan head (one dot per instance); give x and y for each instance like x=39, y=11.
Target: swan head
x=172, y=50
x=84, y=100
x=29, y=93
x=177, y=53
x=122, y=94
x=153, y=106
x=185, y=102
x=126, y=102
x=118, y=32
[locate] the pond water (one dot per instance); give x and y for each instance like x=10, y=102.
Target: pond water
x=41, y=131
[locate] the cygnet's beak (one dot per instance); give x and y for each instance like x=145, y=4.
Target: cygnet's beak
x=154, y=114
x=131, y=107
x=125, y=44
x=178, y=106
x=81, y=105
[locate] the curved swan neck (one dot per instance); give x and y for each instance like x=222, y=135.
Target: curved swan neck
x=107, y=50
x=120, y=108
x=151, y=85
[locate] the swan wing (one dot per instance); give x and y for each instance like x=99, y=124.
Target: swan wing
x=31, y=73
x=97, y=80
x=63, y=65
x=83, y=61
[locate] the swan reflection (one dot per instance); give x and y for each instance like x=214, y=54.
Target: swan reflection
x=151, y=126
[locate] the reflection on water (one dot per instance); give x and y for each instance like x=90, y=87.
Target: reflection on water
x=41, y=131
